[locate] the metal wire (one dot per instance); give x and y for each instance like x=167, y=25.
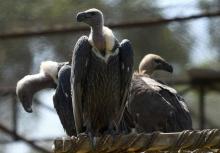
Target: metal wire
x=67, y=28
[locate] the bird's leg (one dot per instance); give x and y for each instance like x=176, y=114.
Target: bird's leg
x=93, y=140
x=91, y=135
x=113, y=130
x=123, y=127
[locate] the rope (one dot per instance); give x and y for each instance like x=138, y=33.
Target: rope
x=199, y=141
x=182, y=138
x=149, y=143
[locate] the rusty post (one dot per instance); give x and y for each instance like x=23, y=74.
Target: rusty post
x=14, y=115
x=201, y=107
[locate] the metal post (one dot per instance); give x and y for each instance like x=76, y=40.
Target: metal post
x=202, y=107
x=14, y=114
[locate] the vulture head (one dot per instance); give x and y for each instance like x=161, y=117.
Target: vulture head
x=24, y=92
x=152, y=62
x=93, y=17
x=30, y=84
x=101, y=37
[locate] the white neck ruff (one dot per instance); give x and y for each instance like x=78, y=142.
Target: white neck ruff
x=110, y=43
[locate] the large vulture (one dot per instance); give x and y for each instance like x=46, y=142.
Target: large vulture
x=100, y=77
x=153, y=105
x=102, y=69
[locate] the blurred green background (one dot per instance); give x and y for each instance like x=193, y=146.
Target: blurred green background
x=193, y=43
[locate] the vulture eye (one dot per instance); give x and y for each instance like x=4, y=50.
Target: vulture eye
x=92, y=13
x=157, y=61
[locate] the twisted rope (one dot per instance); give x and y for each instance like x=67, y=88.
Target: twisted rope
x=198, y=141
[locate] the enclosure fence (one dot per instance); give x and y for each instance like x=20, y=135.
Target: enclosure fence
x=202, y=81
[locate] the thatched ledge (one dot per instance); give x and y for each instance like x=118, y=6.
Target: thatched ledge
x=204, y=141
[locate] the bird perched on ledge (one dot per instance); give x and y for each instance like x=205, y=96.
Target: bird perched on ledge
x=100, y=77
x=153, y=105
x=112, y=65
x=149, y=121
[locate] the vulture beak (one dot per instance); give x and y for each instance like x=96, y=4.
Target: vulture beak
x=30, y=84
x=170, y=68
x=27, y=108
x=165, y=66
x=25, y=98
x=80, y=16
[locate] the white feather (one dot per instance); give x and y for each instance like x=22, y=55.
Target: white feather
x=109, y=38
x=106, y=56
x=50, y=68
x=156, y=85
x=110, y=42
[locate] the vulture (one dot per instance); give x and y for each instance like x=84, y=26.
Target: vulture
x=30, y=84
x=153, y=105
x=100, y=77
x=60, y=81
x=141, y=105
x=52, y=75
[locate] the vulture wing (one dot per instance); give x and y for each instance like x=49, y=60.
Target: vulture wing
x=158, y=85
x=148, y=108
x=126, y=67
x=63, y=101
x=80, y=59
x=182, y=117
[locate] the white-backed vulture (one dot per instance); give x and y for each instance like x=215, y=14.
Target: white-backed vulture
x=100, y=77
x=153, y=105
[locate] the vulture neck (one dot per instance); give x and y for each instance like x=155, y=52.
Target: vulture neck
x=146, y=73
x=50, y=69
x=103, y=41
x=39, y=81
x=98, y=38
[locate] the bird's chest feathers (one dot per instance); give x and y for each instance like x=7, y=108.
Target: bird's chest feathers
x=105, y=43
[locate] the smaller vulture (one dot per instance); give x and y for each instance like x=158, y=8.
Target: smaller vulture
x=153, y=105
x=52, y=75
x=30, y=84
x=100, y=77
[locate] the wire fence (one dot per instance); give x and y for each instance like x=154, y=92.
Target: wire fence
x=69, y=28
x=202, y=81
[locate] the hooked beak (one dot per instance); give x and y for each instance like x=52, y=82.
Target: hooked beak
x=80, y=16
x=26, y=105
x=25, y=98
x=166, y=67
x=28, y=109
